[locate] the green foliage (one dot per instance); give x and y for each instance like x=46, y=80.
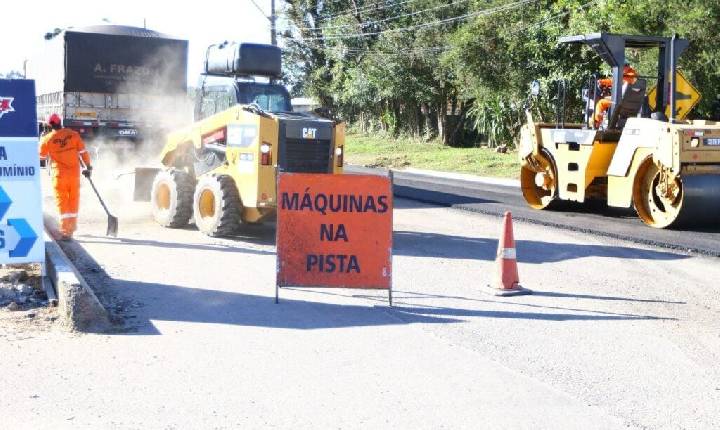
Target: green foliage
x=415, y=68
x=497, y=119
x=379, y=150
x=13, y=74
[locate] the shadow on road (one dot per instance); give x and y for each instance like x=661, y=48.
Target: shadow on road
x=89, y=238
x=399, y=296
x=421, y=244
x=141, y=303
x=197, y=305
x=415, y=295
x=590, y=207
x=543, y=316
x=606, y=298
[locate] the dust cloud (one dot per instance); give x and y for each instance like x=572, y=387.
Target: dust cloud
x=157, y=106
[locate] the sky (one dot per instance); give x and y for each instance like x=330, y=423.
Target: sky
x=202, y=24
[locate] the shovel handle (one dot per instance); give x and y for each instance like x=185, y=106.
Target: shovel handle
x=98, y=195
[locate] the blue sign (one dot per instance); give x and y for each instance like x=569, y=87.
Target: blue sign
x=21, y=220
x=18, y=115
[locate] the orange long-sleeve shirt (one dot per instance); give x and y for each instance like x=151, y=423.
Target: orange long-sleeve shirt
x=64, y=147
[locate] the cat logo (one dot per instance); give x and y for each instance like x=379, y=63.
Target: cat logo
x=309, y=133
x=6, y=105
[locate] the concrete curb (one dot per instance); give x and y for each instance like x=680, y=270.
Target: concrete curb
x=79, y=307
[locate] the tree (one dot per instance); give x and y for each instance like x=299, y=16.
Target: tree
x=13, y=74
x=449, y=68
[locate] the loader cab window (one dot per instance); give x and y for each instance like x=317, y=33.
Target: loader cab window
x=213, y=96
x=218, y=93
x=270, y=97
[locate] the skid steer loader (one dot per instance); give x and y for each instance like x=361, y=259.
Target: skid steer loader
x=222, y=170
x=667, y=167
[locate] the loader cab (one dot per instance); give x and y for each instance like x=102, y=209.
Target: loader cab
x=218, y=93
x=241, y=73
x=629, y=99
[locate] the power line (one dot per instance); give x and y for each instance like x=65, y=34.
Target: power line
x=507, y=6
x=272, y=18
x=442, y=48
x=490, y=11
x=375, y=6
x=368, y=23
x=258, y=8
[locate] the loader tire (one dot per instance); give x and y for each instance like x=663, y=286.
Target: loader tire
x=216, y=205
x=171, y=197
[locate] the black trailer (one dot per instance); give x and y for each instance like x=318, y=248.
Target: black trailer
x=115, y=84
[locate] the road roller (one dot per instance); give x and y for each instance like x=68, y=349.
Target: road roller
x=634, y=146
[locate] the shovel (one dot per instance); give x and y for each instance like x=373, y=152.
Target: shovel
x=112, y=226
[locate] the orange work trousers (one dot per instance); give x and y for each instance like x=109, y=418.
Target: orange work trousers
x=600, y=109
x=67, y=199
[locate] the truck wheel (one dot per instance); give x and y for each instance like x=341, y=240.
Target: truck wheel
x=171, y=198
x=216, y=205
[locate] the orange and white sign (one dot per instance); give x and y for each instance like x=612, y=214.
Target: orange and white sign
x=334, y=231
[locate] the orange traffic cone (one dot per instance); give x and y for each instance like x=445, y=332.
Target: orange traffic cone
x=507, y=281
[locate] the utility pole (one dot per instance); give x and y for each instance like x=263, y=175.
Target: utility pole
x=272, y=18
x=273, y=27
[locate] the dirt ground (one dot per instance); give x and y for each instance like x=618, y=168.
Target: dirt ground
x=24, y=308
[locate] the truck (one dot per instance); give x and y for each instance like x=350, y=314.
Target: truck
x=118, y=86
x=221, y=171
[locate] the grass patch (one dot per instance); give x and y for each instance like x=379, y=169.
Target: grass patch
x=380, y=151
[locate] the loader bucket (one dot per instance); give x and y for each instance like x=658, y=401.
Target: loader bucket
x=144, y=177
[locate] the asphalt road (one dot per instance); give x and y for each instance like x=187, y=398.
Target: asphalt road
x=593, y=217
x=616, y=335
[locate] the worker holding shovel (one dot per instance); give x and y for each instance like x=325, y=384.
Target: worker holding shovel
x=65, y=148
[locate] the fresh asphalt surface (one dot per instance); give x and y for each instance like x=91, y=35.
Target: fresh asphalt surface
x=592, y=217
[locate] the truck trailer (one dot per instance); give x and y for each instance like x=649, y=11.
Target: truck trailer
x=118, y=86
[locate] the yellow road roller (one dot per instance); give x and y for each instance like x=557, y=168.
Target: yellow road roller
x=222, y=170
x=634, y=146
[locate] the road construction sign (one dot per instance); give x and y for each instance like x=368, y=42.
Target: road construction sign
x=334, y=231
x=686, y=97
x=21, y=223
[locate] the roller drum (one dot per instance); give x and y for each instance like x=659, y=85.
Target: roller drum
x=701, y=201
x=538, y=180
x=691, y=200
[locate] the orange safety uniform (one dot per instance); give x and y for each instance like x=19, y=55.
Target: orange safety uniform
x=64, y=148
x=602, y=106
